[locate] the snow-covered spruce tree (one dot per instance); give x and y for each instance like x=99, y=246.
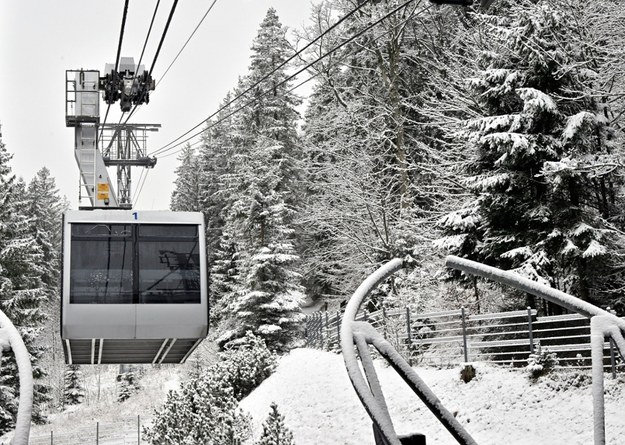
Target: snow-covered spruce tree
x=22, y=292
x=45, y=209
x=543, y=172
x=275, y=431
x=187, y=193
x=73, y=391
x=128, y=379
x=261, y=192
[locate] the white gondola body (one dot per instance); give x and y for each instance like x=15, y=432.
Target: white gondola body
x=134, y=286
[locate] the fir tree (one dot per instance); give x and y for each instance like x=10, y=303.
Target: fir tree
x=44, y=210
x=22, y=292
x=128, y=379
x=187, y=193
x=73, y=389
x=542, y=197
x=275, y=431
x=259, y=187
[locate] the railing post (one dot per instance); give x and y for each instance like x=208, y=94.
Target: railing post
x=531, y=333
x=51, y=437
x=97, y=433
x=409, y=336
x=464, y=335
x=138, y=429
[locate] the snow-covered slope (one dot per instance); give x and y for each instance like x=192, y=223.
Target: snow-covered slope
x=314, y=394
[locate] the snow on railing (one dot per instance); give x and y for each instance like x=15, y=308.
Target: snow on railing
x=360, y=334
x=11, y=339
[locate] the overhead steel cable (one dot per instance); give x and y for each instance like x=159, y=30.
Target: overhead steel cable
x=188, y=40
x=179, y=52
x=119, y=50
x=160, y=44
x=247, y=90
x=145, y=43
x=215, y=123
x=167, y=147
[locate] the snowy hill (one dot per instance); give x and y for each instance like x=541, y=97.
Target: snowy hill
x=314, y=394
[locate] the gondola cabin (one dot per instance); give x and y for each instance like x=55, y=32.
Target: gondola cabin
x=134, y=286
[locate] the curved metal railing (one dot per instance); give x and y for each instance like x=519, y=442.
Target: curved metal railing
x=11, y=339
x=356, y=336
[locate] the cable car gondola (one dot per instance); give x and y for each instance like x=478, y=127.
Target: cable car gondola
x=134, y=286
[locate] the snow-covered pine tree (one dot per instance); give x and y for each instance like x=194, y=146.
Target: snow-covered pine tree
x=73, y=390
x=45, y=209
x=261, y=192
x=22, y=292
x=275, y=431
x=187, y=195
x=128, y=379
x=542, y=193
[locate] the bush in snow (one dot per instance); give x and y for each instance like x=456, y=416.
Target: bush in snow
x=73, y=390
x=206, y=409
x=246, y=364
x=541, y=362
x=275, y=431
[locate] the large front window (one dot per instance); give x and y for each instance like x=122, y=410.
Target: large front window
x=134, y=263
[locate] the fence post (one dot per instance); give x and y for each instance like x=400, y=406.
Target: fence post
x=409, y=335
x=338, y=329
x=531, y=333
x=464, y=335
x=51, y=437
x=138, y=429
x=612, y=358
x=97, y=433
x=326, y=329
x=384, y=321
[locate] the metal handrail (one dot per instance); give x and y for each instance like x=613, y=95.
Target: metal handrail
x=11, y=339
x=362, y=334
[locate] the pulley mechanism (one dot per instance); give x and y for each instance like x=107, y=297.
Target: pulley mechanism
x=131, y=84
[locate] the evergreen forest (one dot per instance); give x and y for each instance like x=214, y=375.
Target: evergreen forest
x=495, y=135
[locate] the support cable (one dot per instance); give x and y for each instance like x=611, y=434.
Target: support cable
x=215, y=123
x=256, y=84
x=169, y=146
x=160, y=44
x=185, y=43
x=145, y=43
x=119, y=49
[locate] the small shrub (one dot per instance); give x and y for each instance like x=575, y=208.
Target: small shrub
x=541, y=362
x=246, y=364
x=275, y=431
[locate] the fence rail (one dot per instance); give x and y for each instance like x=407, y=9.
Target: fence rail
x=446, y=338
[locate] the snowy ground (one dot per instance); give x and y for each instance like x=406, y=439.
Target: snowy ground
x=313, y=392
x=115, y=422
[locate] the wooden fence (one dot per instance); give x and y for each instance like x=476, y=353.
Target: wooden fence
x=447, y=338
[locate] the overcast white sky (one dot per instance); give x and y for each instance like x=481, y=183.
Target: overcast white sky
x=39, y=40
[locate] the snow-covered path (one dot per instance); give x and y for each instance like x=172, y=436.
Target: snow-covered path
x=313, y=392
